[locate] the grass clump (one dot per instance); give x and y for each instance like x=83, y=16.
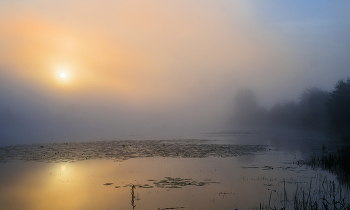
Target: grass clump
x=328, y=196
x=337, y=163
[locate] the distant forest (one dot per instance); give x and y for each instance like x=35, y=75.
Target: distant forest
x=316, y=109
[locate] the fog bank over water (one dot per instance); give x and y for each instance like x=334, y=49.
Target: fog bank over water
x=158, y=69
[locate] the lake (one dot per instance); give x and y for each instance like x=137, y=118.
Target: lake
x=243, y=170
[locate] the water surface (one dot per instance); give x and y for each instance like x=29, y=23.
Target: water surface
x=176, y=174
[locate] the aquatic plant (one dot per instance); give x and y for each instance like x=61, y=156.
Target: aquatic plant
x=329, y=196
x=124, y=150
x=336, y=163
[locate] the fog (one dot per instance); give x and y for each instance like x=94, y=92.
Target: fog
x=158, y=69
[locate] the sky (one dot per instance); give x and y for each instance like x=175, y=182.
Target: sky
x=158, y=69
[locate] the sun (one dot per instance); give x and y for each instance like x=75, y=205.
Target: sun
x=62, y=72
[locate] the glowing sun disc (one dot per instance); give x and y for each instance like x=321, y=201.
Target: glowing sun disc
x=63, y=75
x=63, y=167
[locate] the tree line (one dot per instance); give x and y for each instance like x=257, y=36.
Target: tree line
x=316, y=109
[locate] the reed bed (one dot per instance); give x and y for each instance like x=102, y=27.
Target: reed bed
x=337, y=163
x=328, y=196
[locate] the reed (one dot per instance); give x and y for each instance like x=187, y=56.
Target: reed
x=328, y=197
x=336, y=163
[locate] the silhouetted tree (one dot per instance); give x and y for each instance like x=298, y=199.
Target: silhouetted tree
x=317, y=109
x=338, y=107
x=247, y=112
x=312, y=107
x=309, y=113
x=285, y=114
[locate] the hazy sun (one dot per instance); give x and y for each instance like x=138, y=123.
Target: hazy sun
x=63, y=75
x=63, y=167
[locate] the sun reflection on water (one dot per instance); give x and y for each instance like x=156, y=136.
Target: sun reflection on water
x=164, y=182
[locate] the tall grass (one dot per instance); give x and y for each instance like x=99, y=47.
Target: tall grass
x=327, y=197
x=337, y=163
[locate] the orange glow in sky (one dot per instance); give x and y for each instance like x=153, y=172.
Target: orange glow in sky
x=125, y=47
x=100, y=69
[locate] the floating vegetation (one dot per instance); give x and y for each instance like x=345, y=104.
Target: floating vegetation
x=267, y=168
x=145, y=186
x=170, y=182
x=246, y=167
x=123, y=150
x=223, y=194
x=171, y=208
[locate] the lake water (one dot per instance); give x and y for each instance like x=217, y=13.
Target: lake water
x=236, y=171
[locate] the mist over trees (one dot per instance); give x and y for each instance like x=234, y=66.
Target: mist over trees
x=316, y=109
x=338, y=107
x=313, y=111
x=284, y=114
x=247, y=111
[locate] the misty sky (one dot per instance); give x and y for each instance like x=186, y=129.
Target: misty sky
x=158, y=68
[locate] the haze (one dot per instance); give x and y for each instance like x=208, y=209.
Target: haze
x=158, y=69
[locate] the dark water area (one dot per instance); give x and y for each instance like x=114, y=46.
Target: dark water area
x=226, y=170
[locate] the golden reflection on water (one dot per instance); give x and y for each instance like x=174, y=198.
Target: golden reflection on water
x=147, y=183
